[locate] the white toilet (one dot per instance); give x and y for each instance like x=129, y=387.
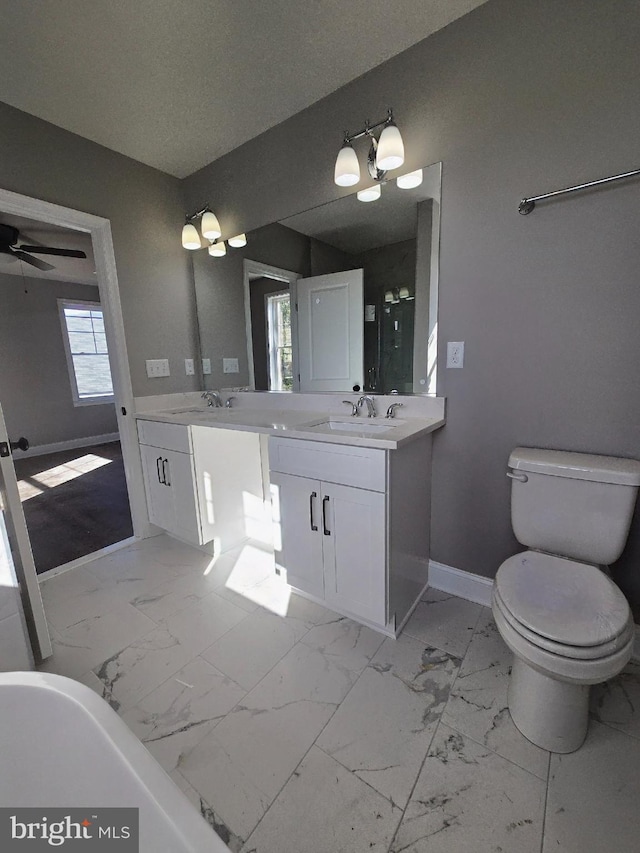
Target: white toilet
x=567, y=624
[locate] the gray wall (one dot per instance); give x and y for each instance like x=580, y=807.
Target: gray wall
x=35, y=389
x=516, y=98
x=146, y=212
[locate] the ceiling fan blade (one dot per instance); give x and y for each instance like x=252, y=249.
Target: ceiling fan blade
x=8, y=254
x=52, y=250
x=35, y=262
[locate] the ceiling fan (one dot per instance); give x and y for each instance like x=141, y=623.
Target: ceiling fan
x=9, y=237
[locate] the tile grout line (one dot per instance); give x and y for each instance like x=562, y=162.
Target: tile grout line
x=413, y=787
x=546, y=804
x=293, y=772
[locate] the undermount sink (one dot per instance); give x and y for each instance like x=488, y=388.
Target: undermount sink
x=362, y=427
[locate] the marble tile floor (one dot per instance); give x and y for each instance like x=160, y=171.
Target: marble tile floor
x=292, y=728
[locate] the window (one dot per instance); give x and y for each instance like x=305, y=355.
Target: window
x=86, y=349
x=279, y=341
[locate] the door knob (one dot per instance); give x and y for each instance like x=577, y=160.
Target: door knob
x=20, y=444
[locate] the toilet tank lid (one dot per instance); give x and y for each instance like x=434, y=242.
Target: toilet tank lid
x=576, y=466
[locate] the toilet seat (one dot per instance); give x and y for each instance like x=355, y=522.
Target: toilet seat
x=560, y=666
x=566, y=650
x=567, y=607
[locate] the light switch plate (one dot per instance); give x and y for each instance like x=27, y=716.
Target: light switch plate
x=206, y=366
x=189, y=367
x=455, y=353
x=230, y=365
x=157, y=367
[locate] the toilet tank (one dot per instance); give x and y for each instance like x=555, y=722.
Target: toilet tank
x=572, y=504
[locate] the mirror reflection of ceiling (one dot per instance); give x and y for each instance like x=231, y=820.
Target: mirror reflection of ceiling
x=354, y=226
x=176, y=85
x=33, y=233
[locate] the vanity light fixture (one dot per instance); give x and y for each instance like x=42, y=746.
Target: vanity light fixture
x=210, y=230
x=385, y=153
x=410, y=180
x=394, y=296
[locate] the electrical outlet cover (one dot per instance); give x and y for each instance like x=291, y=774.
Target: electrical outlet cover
x=189, y=367
x=206, y=366
x=230, y=365
x=455, y=353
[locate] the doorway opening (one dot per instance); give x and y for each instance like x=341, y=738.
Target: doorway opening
x=270, y=299
x=57, y=394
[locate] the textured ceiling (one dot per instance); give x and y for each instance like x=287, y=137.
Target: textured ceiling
x=178, y=83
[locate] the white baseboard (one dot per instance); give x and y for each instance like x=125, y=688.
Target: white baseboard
x=72, y=444
x=477, y=588
x=88, y=558
x=463, y=584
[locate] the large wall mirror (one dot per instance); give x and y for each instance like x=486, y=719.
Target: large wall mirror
x=340, y=297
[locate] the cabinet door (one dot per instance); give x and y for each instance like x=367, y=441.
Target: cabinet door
x=159, y=502
x=298, y=531
x=177, y=470
x=354, y=548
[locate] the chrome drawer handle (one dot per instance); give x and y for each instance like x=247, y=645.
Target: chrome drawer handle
x=522, y=478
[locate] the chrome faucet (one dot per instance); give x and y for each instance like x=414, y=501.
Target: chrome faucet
x=213, y=398
x=391, y=411
x=371, y=409
x=227, y=404
x=354, y=408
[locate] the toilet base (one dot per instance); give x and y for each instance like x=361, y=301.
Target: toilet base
x=550, y=713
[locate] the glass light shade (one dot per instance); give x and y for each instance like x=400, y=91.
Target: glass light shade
x=347, y=171
x=217, y=250
x=410, y=180
x=388, y=296
x=210, y=226
x=370, y=194
x=390, y=148
x=403, y=293
x=237, y=242
x=190, y=237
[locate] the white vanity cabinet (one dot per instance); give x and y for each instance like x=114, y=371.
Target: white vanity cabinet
x=169, y=479
x=352, y=525
x=202, y=484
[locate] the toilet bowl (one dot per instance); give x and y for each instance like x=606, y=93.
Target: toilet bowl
x=567, y=623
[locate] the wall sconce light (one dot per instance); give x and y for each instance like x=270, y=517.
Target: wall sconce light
x=385, y=153
x=210, y=230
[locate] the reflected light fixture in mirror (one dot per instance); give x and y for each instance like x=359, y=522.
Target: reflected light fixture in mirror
x=217, y=250
x=370, y=194
x=385, y=153
x=410, y=180
x=238, y=241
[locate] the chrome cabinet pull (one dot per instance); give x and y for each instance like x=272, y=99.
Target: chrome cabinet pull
x=521, y=478
x=325, y=529
x=311, y=498
x=158, y=461
x=165, y=471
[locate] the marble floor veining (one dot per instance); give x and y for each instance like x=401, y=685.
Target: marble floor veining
x=295, y=730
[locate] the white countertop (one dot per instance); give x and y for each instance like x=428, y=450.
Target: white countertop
x=385, y=433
